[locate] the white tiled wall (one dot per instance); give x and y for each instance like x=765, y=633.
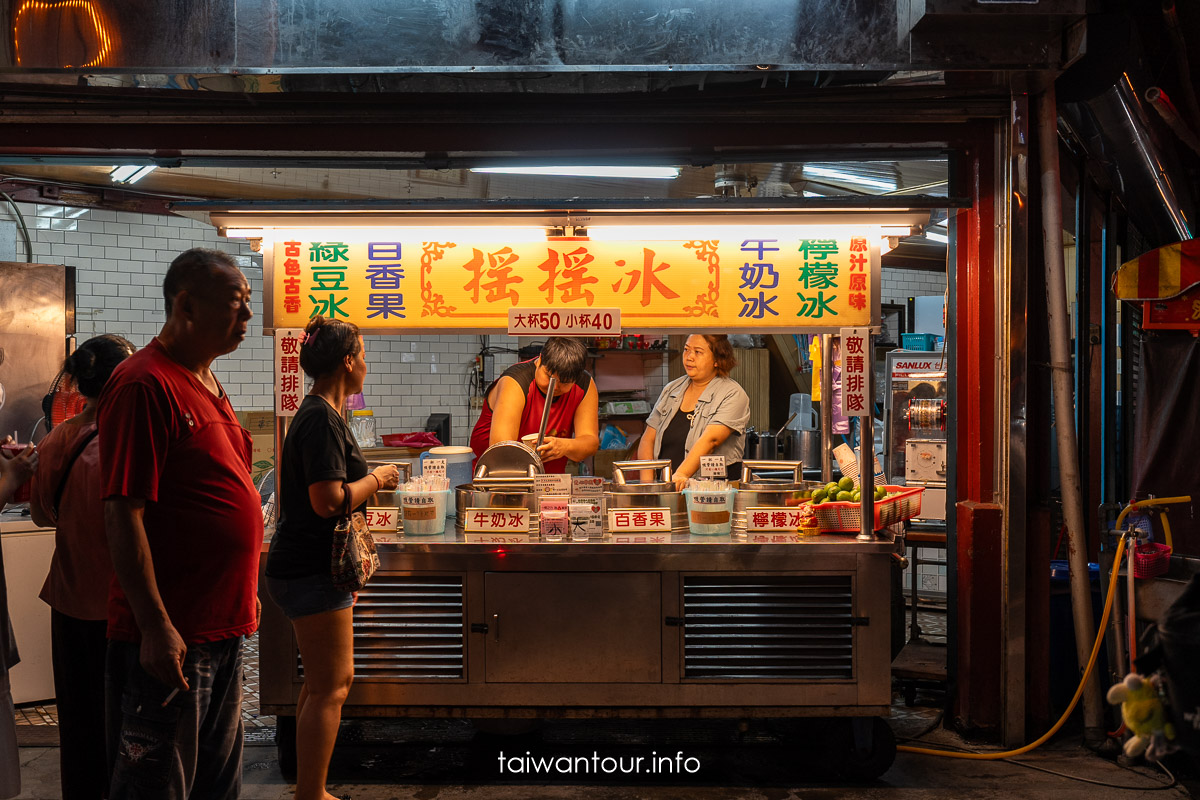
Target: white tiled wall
x=897, y=285
x=932, y=577
x=121, y=258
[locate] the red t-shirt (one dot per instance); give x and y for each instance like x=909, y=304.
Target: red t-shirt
x=165, y=439
x=562, y=411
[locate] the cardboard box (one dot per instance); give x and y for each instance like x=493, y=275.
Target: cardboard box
x=261, y=425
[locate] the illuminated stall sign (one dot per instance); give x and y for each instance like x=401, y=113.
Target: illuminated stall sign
x=383, y=281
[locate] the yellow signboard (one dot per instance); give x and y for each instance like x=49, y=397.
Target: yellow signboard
x=383, y=281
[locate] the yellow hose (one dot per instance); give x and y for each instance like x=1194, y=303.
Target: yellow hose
x=1108, y=601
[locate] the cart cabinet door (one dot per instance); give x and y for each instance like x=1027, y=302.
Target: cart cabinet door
x=573, y=627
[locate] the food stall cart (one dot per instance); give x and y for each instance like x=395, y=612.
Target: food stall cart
x=490, y=620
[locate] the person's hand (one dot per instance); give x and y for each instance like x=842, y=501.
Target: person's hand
x=388, y=476
x=553, y=447
x=162, y=654
x=20, y=467
x=5, y=442
x=680, y=480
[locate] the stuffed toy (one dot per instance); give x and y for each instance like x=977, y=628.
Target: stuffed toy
x=1144, y=716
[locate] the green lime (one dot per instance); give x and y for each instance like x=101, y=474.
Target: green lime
x=831, y=488
x=819, y=494
x=880, y=492
x=816, y=501
x=844, y=497
x=846, y=484
x=856, y=496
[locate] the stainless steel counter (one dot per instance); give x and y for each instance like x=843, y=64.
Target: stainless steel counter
x=695, y=626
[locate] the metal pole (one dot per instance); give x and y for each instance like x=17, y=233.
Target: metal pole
x=866, y=454
x=826, y=407
x=1064, y=404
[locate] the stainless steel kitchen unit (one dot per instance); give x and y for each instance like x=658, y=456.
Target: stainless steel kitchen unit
x=695, y=626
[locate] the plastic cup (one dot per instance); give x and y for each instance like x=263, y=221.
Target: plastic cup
x=424, y=513
x=709, y=513
x=24, y=492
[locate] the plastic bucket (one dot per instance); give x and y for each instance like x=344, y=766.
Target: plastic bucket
x=709, y=513
x=424, y=513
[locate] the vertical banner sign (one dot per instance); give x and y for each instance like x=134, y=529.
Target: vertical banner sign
x=856, y=372
x=289, y=380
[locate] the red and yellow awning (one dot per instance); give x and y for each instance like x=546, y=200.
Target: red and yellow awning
x=1160, y=274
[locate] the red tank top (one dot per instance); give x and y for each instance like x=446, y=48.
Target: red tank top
x=562, y=411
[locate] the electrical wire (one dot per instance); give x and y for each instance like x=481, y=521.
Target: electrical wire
x=1155, y=788
x=24, y=228
x=1001, y=756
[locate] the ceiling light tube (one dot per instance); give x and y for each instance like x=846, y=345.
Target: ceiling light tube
x=849, y=177
x=652, y=173
x=937, y=237
x=130, y=173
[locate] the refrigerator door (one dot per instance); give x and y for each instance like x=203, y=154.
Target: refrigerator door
x=37, y=313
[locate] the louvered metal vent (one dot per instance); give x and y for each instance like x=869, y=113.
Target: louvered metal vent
x=409, y=628
x=791, y=627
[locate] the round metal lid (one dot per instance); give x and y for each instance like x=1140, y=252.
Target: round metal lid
x=508, y=460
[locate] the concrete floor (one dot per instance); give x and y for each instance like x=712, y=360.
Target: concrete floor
x=457, y=770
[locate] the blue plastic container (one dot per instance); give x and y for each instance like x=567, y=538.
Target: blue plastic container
x=919, y=341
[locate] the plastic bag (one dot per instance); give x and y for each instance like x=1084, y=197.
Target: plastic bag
x=612, y=438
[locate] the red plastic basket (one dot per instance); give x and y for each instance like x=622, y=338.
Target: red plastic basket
x=1151, y=560
x=905, y=503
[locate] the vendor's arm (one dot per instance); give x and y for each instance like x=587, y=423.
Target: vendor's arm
x=508, y=405
x=645, y=451
x=328, y=498
x=162, y=649
x=712, y=436
x=15, y=470
x=587, y=432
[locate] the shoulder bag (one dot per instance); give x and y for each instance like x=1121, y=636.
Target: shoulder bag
x=354, y=558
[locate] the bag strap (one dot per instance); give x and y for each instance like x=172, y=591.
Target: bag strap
x=62, y=484
x=346, y=509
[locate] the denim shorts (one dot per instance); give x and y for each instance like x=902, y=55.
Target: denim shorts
x=302, y=597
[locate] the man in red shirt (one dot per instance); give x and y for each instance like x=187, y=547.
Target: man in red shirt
x=184, y=526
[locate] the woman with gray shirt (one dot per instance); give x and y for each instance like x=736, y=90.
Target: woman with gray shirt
x=703, y=413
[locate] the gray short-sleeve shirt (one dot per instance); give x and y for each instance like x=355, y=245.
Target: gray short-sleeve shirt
x=723, y=401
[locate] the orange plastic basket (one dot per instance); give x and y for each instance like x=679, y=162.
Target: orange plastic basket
x=1151, y=560
x=904, y=503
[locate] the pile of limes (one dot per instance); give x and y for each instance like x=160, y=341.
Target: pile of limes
x=843, y=491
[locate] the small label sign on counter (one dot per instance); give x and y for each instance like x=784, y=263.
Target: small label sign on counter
x=763, y=537
x=773, y=519
x=564, y=322
x=587, y=486
x=641, y=538
x=434, y=466
x=552, y=484
x=623, y=520
x=382, y=519
x=497, y=520
x=712, y=467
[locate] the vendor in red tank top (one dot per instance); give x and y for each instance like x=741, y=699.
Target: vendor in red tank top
x=514, y=403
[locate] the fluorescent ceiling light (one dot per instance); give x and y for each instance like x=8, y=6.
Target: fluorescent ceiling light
x=693, y=231
x=937, y=237
x=419, y=233
x=849, y=177
x=130, y=173
x=655, y=173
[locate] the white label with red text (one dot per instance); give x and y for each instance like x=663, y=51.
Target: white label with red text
x=383, y=518
x=587, y=486
x=621, y=520
x=856, y=372
x=773, y=519
x=564, y=322
x=289, y=380
x=497, y=520
x=434, y=466
x=712, y=467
